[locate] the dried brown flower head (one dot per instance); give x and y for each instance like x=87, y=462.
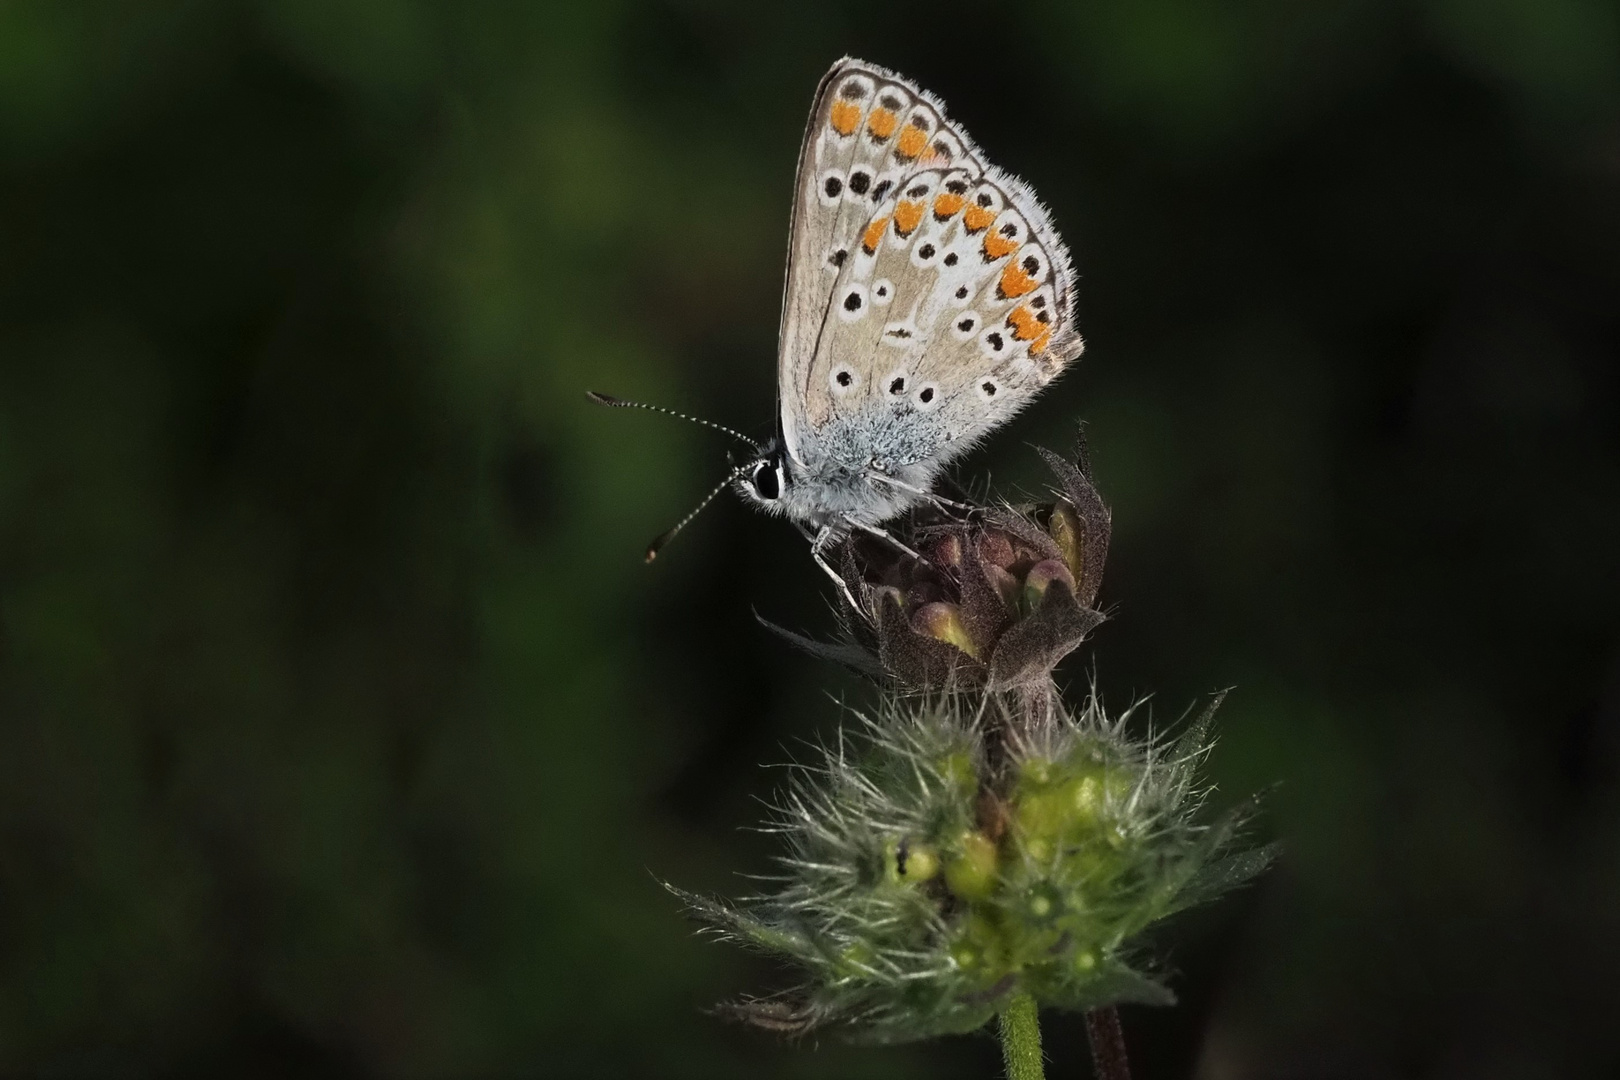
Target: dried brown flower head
x=1000, y=596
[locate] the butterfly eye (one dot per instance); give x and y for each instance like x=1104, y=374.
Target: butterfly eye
x=767, y=481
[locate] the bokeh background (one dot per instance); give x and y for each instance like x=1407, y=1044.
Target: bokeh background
x=343, y=732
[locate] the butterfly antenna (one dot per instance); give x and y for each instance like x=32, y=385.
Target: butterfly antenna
x=620, y=403
x=665, y=537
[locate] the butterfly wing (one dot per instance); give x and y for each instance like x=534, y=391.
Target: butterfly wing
x=868, y=129
x=929, y=296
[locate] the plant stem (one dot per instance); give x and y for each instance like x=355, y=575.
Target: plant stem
x=1107, y=1044
x=1021, y=1039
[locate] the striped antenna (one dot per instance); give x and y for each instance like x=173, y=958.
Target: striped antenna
x=663, y=538
x=620, y=403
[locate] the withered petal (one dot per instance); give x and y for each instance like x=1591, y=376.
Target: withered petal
x=1036, y=544
x=1095, y=523
x=847, y=653
x=984, y=611
x=1033, y=646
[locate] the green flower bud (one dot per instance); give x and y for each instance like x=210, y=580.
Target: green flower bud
x=972, y=873
x=1042, y=906
x=943, y=622
x=1040, y=578
x=1064, y=527
x=910, y=861
x=978, y=947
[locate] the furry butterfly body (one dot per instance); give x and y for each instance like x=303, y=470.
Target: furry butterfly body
x=928, y=299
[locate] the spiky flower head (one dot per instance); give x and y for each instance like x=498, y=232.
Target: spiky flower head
x=956, y=850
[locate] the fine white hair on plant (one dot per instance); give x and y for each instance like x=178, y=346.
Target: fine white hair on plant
x=924, y=881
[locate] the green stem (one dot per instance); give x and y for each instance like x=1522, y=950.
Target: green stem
x=1021, y=1039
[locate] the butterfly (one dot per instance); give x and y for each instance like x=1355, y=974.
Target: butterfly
x=928, y=299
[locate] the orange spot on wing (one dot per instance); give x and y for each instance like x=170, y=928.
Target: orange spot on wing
x=1039, y=345
x=846, y=117
x=907, y=216
x=873, y=235
x=938, y=154
x=911, y=142
x=996, y=245
x=947, y=204
x=1015, y=283
x=977, y=217
x=882, y=123
x=1024, y=324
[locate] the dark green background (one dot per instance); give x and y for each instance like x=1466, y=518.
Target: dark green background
x=343, y=733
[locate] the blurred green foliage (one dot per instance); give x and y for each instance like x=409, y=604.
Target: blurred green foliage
x=342, y=731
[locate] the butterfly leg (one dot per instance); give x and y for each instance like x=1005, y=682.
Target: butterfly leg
x=937, y=500
x=826, y=535
x=892, y=540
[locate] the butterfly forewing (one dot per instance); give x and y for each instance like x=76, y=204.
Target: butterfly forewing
x=928, y=296
x=868, y=129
